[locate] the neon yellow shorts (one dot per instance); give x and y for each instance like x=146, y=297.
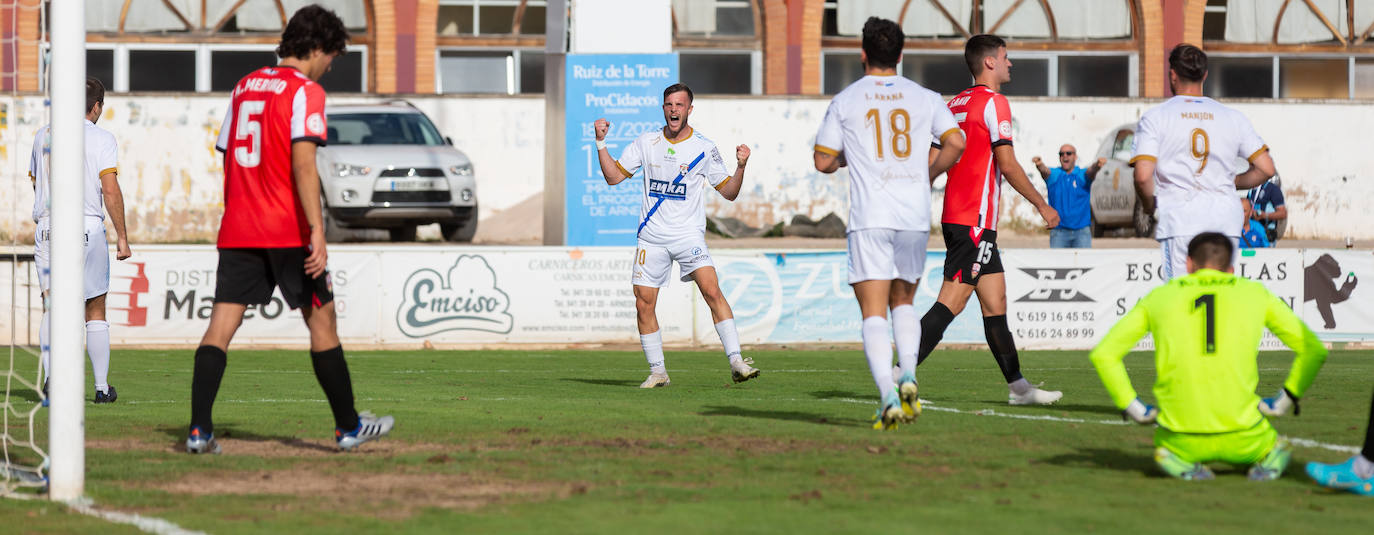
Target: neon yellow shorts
x=1237, y=447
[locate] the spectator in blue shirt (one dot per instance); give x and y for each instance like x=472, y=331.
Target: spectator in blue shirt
x=1069, y=193
x=1252, y=232
x=1270, y=211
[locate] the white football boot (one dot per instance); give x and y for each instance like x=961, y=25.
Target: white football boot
x=655, y=380
x=743, y=370
x=1035, y=396
x=370, y=427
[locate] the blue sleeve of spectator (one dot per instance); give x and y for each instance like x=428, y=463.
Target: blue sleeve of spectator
x=1276, y=196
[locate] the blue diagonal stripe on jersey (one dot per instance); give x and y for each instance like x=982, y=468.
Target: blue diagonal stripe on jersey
x=677, y=180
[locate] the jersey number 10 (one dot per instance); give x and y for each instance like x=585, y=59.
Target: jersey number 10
x=901, y=131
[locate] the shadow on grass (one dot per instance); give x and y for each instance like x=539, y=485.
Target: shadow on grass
x=178, y=433
x=794, y=416
x=835, y=394
x=604, y=382
x=1105, y=458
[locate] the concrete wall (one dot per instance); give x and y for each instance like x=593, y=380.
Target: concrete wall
x=171, y=178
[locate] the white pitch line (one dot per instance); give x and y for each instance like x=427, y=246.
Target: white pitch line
x=143, y=523
x=927, y=405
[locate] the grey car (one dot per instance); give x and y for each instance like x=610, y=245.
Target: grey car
x=1113, y=197
x=387, y=167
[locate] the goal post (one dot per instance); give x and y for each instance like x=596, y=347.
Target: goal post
x=67, y=316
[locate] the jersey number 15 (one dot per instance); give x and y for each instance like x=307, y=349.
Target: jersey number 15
x=899, y=121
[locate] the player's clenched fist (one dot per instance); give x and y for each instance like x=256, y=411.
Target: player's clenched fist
x=601, y=126
x=1036, y=160
x=742, y=155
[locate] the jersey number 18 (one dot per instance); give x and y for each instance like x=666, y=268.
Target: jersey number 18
x=901, y=131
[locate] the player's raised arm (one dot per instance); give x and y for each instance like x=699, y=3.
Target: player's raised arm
x=1041, y=167
x=1091, y=173
x=610, y=168
x=730, y=188
x=308, y=189
x=1006, y=162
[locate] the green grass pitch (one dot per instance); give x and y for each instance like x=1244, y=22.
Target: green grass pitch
x=564, y=442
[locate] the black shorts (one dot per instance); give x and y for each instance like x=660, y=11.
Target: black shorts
x=968, y=254
x=247, y=277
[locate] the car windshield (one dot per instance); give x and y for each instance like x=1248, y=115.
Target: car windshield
x=382, y=129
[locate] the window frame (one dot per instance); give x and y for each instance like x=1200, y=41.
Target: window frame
x=120, y=84
x=1132, y=64
x=1276, y=74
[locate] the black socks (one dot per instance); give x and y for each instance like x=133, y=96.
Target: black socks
x=1003, y=346
x=209, y=370
x=332, y=372
x=933, y=326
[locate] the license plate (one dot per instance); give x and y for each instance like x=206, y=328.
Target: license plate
x=417, y=184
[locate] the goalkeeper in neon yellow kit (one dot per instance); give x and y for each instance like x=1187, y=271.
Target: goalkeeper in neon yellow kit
x=1207, y=329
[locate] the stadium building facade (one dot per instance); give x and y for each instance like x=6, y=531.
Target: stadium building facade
x=1062, y=48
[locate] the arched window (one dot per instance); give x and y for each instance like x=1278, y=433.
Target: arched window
x=1059, y=47
x=1290, y=49
x=207, y=45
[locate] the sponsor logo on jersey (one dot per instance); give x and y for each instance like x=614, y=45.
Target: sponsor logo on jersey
x=467, y=298
x=662, y=189
x=1004, y=128
x=1055, y=285
x=315, y=123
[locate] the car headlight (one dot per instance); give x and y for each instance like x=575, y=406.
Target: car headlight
x=345, y=170
x=461, y=170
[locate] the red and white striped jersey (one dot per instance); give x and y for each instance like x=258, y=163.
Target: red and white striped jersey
x=974, y=185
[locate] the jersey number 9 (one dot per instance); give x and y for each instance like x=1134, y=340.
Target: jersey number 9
x=901, y=131
x=1201, y=147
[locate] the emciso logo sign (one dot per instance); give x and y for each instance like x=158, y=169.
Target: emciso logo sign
x=466, y=298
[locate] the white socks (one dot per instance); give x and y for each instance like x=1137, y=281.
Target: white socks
x=878, y=349
x=44, y=342
x=729, y=338
x=653, y=351
x=98, y=346
x=1363, y=467
x=906, y=331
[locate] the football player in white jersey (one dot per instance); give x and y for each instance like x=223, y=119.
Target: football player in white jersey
x=102, y=193
x=1187, y=161
x=678, y=164
x=881, y=127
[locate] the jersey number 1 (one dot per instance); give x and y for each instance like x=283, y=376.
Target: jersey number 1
x=901, y=131
x=249, y=127
x=1209, y=301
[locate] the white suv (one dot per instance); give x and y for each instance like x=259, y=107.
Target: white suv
x=386, y=166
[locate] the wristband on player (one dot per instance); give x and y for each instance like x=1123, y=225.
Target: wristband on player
x=600, y=144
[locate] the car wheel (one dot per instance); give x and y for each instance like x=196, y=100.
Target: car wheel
x=333, y=231
x=1142, y=222
x=461, y=232
x=404, y=233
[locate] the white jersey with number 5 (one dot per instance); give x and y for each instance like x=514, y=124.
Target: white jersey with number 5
x=884, y=125
x=1199, y=146
x=675, y=177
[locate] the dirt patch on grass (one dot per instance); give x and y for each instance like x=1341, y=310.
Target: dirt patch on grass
x=391, y=495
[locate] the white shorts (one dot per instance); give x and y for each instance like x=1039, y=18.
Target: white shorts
x=887, y=254
x=97, y=256
x=1175, y=251
x=652, y=263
